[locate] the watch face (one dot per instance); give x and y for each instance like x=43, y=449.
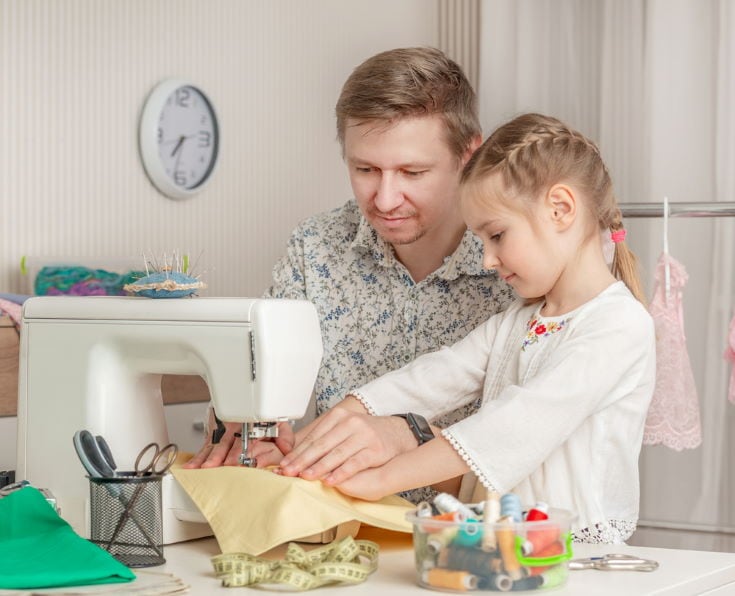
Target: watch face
x=187, y=137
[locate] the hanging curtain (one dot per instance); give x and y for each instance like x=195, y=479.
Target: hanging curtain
x=652, y=82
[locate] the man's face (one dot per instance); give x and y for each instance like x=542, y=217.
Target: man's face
x=404, y=177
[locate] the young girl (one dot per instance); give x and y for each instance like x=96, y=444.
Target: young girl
x=565, y=375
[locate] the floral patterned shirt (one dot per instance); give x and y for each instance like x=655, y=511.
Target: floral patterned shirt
x=374, y=317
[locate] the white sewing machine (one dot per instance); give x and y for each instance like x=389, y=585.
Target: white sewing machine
x=95, y=363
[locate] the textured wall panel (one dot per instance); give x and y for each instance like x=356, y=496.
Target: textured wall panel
x=459, y=34
x=74, y=75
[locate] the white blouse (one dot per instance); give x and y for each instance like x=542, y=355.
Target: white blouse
x=564, y=402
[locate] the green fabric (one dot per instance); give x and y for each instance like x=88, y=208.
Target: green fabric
x=38, y=549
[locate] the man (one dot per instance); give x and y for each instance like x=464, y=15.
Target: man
x=393, y=273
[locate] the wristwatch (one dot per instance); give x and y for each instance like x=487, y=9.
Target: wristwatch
x=419, y=427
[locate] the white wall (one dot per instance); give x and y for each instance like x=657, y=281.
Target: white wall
x=74, y=75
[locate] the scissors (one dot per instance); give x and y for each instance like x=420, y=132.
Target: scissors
x=159, y=460
x=614, y=562
x=95, y=454
x=160, y=455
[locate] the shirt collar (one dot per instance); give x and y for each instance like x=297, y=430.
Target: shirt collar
x=466, y=259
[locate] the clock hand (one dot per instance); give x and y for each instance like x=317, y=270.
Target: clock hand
x=182, y=138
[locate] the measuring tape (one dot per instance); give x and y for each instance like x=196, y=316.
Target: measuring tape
x=346, y=561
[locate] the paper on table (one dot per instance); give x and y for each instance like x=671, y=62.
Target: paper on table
x=253, y=510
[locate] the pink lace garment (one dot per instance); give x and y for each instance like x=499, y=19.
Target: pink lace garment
x=730, y=355
x=673, y=417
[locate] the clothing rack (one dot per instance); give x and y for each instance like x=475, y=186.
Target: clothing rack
x=678, y=209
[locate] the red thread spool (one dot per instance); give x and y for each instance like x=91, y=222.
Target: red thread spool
x=539, y=512
x=552, y=550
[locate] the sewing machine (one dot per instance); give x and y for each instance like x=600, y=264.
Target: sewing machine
x=96, y=363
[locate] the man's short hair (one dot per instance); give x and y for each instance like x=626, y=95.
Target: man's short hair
x=411, y=82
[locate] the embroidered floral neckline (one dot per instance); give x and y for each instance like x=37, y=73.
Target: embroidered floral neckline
x=538, y=328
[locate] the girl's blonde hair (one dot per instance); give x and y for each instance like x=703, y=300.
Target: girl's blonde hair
x=533, y=152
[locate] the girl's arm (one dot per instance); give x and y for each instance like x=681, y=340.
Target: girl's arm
x=431, y=463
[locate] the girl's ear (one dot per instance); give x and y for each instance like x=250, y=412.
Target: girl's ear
x=561, y=205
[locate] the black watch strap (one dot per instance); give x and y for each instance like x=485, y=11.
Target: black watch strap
x=419, y=427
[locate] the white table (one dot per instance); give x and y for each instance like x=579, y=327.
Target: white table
x=680, y=572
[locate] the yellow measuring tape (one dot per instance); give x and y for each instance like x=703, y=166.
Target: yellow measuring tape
x=346, y=561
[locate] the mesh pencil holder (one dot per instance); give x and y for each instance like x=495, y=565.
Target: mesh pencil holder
x=127, y=518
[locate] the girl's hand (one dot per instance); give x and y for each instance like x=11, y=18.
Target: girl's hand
x=345, y=441
x=367, y=485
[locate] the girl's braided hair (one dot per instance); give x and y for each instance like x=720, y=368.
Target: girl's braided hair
x=533, y=152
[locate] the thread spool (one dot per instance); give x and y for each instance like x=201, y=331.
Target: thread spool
x=447, y=503
x=528, y=583
x=424, y=509
x=470, y=534
x=436, y=542
x=510, y=505
x=498, y=582
x=491, y=514
x=552, y=550
x=554, y=577
x=537, y=540
x=506, y=544
x=474, y=560
x=452, y=580
x=539, y=512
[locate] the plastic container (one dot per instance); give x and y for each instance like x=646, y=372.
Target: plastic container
x=127, y=518
x=461, y=556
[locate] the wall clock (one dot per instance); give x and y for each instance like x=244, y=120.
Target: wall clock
x=179, y=138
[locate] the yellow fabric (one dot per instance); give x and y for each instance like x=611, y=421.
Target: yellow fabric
x=253, y=510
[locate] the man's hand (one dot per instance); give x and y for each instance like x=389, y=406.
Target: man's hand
x=227, y=451
x=343, y=442
x=224, y=453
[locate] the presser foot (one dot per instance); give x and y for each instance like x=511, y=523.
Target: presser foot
x=248, y=462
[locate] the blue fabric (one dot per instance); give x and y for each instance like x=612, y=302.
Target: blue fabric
x=15, y=298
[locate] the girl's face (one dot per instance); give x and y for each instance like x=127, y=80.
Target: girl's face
x=516, y=243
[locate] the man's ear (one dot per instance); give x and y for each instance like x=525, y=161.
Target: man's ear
x=471, y=148
x=561, y=205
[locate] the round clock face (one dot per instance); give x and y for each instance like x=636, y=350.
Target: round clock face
x=179, y=138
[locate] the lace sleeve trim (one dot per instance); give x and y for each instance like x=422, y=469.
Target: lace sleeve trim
x=613, y=531
x=469, y=461
x=363, y=400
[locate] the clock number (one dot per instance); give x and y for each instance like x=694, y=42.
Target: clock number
x=205, y=138
x=159, y=135
x=183, y=96
x=180, y=178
